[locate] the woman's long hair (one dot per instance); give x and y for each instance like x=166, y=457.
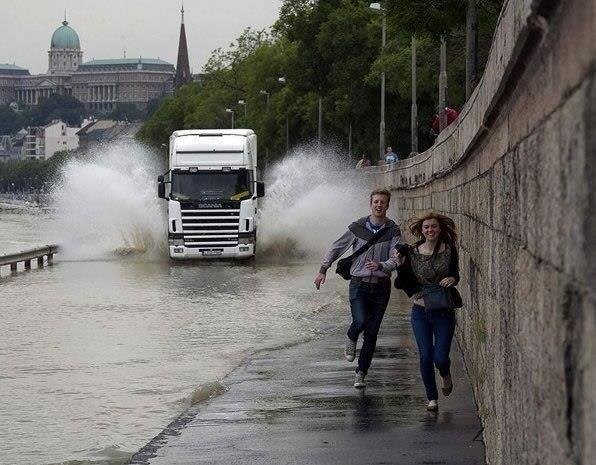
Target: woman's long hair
x=447, y=235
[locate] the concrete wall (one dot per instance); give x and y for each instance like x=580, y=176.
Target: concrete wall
x=516, y=173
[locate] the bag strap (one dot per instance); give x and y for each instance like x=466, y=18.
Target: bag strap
x=369, y=243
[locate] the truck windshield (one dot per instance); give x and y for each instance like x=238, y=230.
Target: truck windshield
x=211, y=185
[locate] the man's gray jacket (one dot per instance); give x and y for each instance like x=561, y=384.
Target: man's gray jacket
x=356, y=236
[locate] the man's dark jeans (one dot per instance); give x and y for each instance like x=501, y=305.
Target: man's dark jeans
x=368, y=302
x=440, y=326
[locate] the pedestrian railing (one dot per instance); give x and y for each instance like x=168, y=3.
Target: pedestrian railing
x=27, y=256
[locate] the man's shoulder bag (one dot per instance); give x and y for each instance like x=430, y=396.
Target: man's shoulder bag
x=344, y=265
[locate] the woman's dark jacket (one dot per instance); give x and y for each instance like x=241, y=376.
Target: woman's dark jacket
x=406, y=279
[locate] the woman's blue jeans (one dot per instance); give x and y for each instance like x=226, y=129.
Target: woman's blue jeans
x=368, y=303
x=433, y=331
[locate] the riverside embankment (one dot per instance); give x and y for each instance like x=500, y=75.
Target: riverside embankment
x=516, y=173
x=296, y=405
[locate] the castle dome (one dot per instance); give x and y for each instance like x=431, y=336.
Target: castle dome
x=65, y=37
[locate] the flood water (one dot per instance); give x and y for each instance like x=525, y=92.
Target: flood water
x=102, y=350
x=98, y=356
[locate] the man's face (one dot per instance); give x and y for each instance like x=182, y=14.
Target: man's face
x=389, y=149
x=378, y=205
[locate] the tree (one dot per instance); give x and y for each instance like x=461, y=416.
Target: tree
x=126, y=112
x=330, y=49
x=56, y=106
x=10, y=121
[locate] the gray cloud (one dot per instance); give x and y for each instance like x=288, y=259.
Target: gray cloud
x=148, y=28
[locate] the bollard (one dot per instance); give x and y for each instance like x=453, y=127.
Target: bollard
x=27, y=264
x=40, y=262
x=13, y=268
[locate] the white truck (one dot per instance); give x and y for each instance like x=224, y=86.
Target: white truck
x=212, y=192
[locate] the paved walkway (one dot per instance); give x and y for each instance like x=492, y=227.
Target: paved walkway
x=297, y=406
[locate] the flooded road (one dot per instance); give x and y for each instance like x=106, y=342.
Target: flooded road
x=99, y=355
x=102, y=350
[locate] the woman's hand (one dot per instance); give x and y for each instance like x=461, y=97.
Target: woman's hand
x=447, y=282
x=371, y=265
x=399, y=258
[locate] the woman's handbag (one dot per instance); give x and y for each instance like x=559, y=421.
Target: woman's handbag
x=344, y=265
x=437, y=297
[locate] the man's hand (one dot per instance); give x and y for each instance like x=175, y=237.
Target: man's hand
x=447, y=282
x=371, y=265
x=319, y=279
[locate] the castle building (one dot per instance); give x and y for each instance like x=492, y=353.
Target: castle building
x=99, y=84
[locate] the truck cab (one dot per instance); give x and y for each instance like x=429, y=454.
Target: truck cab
x=212, y=192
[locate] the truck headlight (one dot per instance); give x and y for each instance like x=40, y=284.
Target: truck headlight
x=178, y=242
x=246, y=240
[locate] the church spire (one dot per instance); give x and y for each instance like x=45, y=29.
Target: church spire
x=183, y=75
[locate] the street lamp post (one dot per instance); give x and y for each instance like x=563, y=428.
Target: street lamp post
x=443, y=86
x=282, y=80
x=229, y=110
x=414, y=115
x=320, y=130
x=471, y=48
x=264, y=92
x=243, y=103
x=378, y=7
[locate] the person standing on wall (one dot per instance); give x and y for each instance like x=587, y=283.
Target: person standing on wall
x=363, y=162
x=390, y=156
x=373, y=238
x=428, y=273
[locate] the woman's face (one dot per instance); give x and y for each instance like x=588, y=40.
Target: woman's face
x=431, y=229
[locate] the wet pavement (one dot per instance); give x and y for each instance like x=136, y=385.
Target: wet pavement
x=296, y=405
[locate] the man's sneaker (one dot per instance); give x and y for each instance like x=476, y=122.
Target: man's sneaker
x=359, y=380
x=432, y=406
x=447, y=385
x=350, y=351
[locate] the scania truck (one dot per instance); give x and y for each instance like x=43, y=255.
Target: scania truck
x=212, y=192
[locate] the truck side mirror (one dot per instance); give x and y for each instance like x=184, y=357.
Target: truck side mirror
x=160, y=178
x=260, y=189
x=161, y=189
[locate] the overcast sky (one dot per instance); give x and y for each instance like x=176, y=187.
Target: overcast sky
x=148, y=28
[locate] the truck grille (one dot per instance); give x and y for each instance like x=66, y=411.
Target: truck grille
x=210, y=228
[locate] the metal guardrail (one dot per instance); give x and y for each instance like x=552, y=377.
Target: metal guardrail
x=27, y=256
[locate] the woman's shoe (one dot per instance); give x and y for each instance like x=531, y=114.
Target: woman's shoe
x=447, y=385
x=432, y=406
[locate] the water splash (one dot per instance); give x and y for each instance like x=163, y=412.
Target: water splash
x=107, y=204
x=312, y=195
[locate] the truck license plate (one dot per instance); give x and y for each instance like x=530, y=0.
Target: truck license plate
x=210, y=253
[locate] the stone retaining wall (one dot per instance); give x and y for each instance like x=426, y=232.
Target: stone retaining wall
x=516, y=173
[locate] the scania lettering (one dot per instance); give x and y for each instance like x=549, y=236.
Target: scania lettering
x=212, y=192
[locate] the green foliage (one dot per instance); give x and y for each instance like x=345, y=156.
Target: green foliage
x=10, y=121
x=330, y=49
x=56, y=106
x=126, y=112
x=28, y=175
